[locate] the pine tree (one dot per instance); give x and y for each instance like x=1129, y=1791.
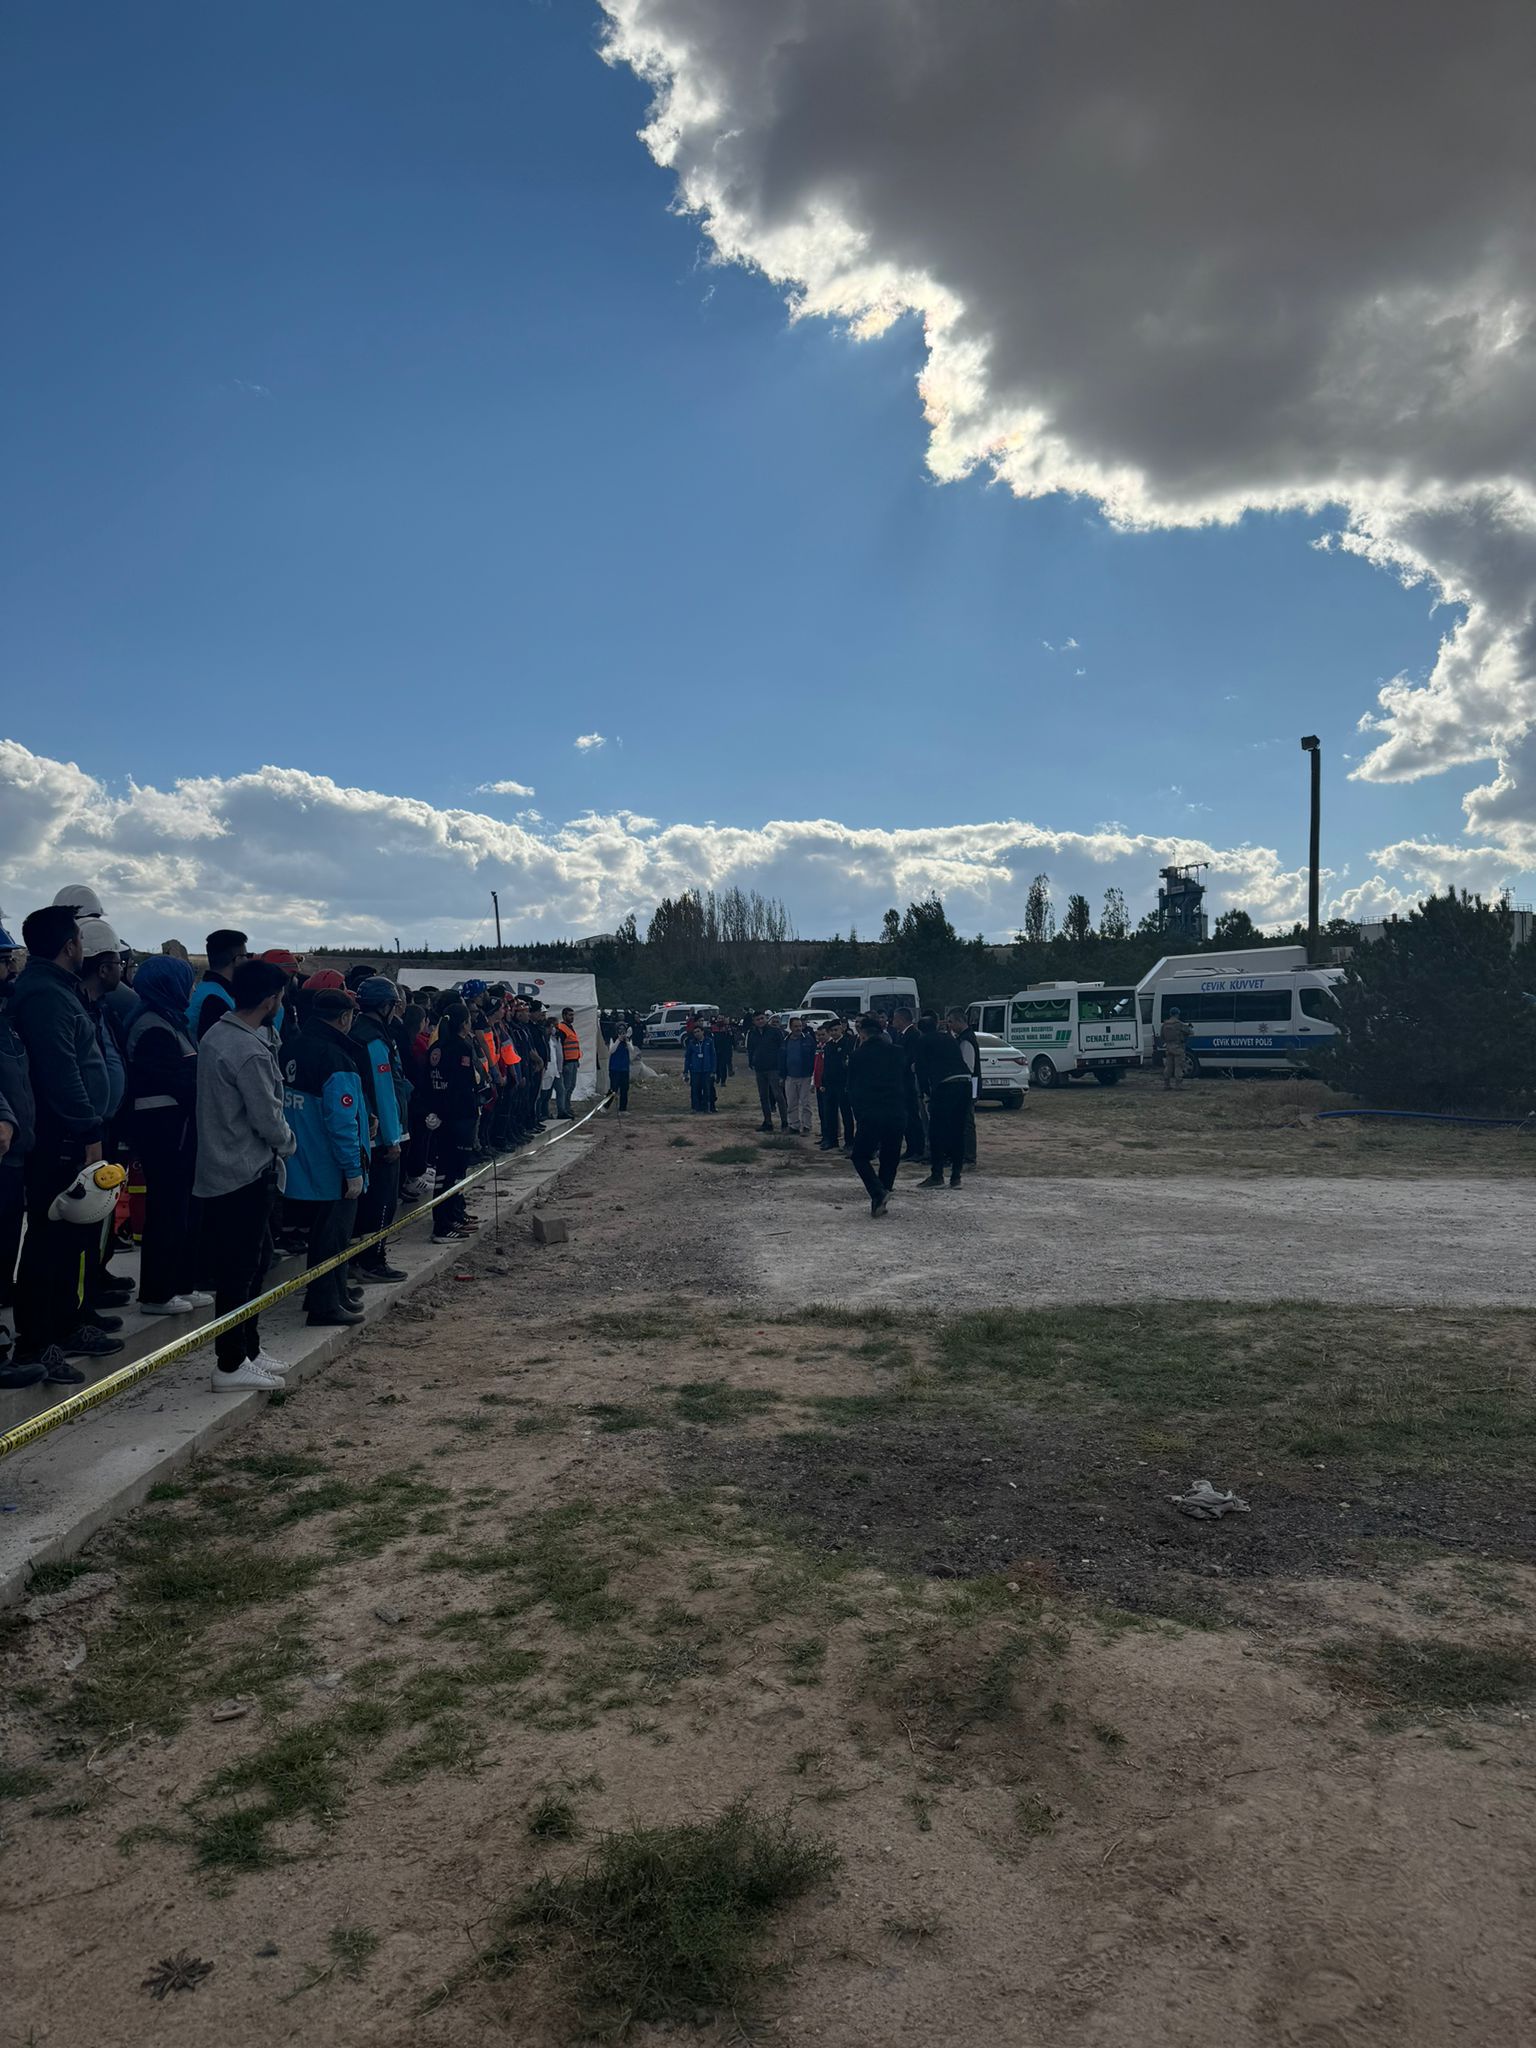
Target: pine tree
x=1077, y=925
x=1039, y=917
x=1432, y=1014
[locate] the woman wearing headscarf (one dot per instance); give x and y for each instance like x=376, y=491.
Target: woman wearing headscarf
x=161, y=1105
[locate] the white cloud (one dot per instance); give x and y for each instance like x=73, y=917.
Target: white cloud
x=589, y=742
x=1228, y=257
x=294, y=857
x=504, y=789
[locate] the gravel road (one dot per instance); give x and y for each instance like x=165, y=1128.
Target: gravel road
x=1059, y=1241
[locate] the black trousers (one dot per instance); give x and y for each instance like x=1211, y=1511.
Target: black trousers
x=917, y=1122
x=723, y=1052
x=329, y=1225
x=165, y=1145
x=450, y=1155
x=882, y=1136
x=947, y=1106
x=770, y=1093
x=619, y=1083
x=839, y=1113
x=376, y=1206
x=238, y=1237
x=55, y=1257
x=13, y=1213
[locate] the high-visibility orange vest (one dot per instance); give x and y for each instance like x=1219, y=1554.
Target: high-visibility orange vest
x=570, y=1044
x=510, y=1056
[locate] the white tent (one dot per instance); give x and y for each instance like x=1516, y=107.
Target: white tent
x=555, y=991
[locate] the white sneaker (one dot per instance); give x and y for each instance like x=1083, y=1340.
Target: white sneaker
x=199, y=1297
x=268, y=1363
x=178, y=1305
x=250, y=1373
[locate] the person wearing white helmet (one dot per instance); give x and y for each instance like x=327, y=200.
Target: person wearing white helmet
x=72, y=1090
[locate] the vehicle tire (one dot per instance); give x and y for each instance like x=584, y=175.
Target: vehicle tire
x=1192, y=1067
x=1013, y=1101
x=1043, y=1075
x=1108, y=1076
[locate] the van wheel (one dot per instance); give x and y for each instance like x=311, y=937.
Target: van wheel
x=1042, y=1074
x=1192, y=1067
x=1107, y=1076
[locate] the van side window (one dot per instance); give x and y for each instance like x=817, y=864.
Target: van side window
x=1317, y=1002
x=1263, y=1005
x=1195, y=1008
x=994, y=1018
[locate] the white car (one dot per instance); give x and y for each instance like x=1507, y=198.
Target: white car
x=809, y=1018
x=1004, y=1071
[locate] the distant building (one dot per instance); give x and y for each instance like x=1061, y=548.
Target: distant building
x=1180, y=903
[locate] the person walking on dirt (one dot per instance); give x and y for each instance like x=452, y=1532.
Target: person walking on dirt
x=1176, y=1035
x=765, y=1043
x=877, y=1088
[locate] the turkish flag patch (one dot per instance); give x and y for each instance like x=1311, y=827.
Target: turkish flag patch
x=346, y=1102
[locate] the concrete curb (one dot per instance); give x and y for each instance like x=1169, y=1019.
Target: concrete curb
x=57, y=1493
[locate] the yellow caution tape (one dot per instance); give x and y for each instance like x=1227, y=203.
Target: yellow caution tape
x=128, y=1375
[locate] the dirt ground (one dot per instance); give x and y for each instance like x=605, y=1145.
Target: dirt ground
x=625, y=1525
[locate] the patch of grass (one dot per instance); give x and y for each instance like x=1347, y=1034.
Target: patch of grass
x=352, y=1948
x=167, y=1489
x=680, y=1143
x=1363, y=1386
x=730, y=1155
x=552, y=1819
x=542, y=1422
x=21, y=1781
x=848, y=1411
x=922, y=1805
x=1107, y=1733
x=1034, y=1816
x=616, y=1416
x=718, y=1401
x=298, y=1775
x=665, y=1926
x=1428, y=1673
x=657, y=1322
x=449, y=1743
x=53, y=1578
x=806, y=1660
x=472, y=1425
x=241, y=1576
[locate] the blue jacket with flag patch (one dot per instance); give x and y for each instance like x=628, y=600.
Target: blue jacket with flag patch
x=374, y=1046
x=327, y=1111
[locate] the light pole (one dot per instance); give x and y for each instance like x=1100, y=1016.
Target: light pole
x=496, y=906
x=1314, y=938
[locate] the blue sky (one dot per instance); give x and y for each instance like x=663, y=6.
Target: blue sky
x=370, y=414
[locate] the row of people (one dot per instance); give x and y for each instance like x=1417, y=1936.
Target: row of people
x=250, y=1100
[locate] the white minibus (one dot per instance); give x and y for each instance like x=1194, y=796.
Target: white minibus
x=851, y=996
x=1067, y=1028
x=1244, y=1023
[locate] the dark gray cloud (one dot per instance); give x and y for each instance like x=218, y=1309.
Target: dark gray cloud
x=1189, y=258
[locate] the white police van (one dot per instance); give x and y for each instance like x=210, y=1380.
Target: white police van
x=1245, y=1023
x=1066, y=1029
x=667, y=1024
